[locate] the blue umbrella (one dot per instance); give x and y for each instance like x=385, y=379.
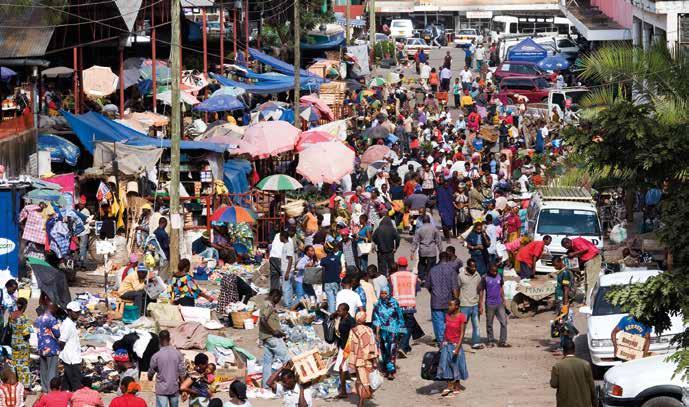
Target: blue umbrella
x=6, y=73
x=61, y=150
x=310, y=114
x=554, y=63
x=220, y=103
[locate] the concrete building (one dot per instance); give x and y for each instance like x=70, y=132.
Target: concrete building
x=660, y=21
x=600, y=20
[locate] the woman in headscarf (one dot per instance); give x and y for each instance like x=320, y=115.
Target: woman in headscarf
x=453, y=366
x=389, y=324
x=363, y=357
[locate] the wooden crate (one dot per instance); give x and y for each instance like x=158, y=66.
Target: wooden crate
x=309, y=366
x=629, y=347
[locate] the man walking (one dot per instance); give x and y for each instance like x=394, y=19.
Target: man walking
x=427, y=241
x=470, y=300
x=445, y=76
x=167, y=365
x=403, y=283
x=492, y=289
x=573, y=380
x=70, y=353
x=387, y=240
x=270, y=334
x=275, y=260
x=443, y=284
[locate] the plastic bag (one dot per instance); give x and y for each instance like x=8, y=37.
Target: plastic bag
x=329, y=330
x=375, y=379
x=618, y=234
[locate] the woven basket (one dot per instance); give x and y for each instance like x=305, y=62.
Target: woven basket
x=294, y=209
x=238, y=318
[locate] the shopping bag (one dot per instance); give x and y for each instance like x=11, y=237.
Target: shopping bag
x=364, y=247
x=375, y=379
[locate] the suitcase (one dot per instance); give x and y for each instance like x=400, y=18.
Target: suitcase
x=429, y=365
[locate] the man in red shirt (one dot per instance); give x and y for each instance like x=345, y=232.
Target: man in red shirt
x=129, y=388
x=589, y=259
x=529, y=255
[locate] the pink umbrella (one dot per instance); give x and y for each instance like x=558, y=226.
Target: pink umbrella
x=264, y=139
x=326, y=162
x=319, y=104
x=311, y=137
x=374, y=153
x=99, y=81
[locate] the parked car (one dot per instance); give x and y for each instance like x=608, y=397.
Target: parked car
x=535, y=88
x=602, y=317
x=510, y=69
x=414, y=44
x=365, y=40
x=647, y=382
x=465, y=36
x=401, y=29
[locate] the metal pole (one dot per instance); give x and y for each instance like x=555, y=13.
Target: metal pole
x=234, y=31
x=121, y=83
x=246, y=30
x=205, y=54
x=347, y=17
x=75, y=77
x=153, y=56
x=372, y=29
x=297, y=63
x=175, y=63
x=222, y=39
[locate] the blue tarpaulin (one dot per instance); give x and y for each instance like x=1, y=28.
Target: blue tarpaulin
x=220, y=103
x=92, y=126
x=61, y=150
x=269, y=87
x=527, y=50
x=235, y=177
x=279, y=65
x=319, y=46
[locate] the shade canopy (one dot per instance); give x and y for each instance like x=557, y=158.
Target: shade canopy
x=326, y=162
x=264, y=139
x=99, y=81
x=220, y=103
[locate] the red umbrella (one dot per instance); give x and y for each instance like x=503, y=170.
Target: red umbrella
x=374, y=153
x=309, y=138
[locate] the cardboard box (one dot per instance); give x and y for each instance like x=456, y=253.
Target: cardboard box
x=629, y=347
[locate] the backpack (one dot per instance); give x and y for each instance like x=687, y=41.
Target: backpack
x=429, y=365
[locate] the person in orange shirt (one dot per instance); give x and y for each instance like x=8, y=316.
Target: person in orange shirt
x=433, y=80
x=311, y=221
x=529, y=255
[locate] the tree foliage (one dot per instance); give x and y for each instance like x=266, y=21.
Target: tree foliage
x=637, y=129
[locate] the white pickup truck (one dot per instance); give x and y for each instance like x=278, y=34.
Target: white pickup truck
x=465, y=36
x=558, y=97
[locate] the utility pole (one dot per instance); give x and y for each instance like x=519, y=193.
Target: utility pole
x=372, y=29
x=176, y=118
x=297, y=64
x=347, y=17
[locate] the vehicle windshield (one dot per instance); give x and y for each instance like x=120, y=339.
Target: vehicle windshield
x=601, y=305
x=466, y=32
x=399, y=24
x=498, y=27
x=541, y=83
x=568, y=222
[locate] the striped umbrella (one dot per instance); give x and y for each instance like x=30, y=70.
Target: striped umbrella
x=377, y=82
x=279, y=182
x=233, y=214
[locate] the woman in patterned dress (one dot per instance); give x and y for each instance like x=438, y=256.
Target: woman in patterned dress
x=388, y=323
x=183, y=288
x=21, y=329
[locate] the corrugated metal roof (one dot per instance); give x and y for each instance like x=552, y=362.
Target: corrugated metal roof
x=24, y=42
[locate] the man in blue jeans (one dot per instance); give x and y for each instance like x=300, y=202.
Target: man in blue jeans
x=332, y=267
x=470, y=300
x=271, y=335
x=443, y=284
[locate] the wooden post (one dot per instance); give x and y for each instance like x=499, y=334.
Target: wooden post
x=222, y=38
x=246, y=30
x=176, y=118
x=347, y=17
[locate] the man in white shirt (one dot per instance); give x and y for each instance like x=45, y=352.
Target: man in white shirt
x=347, y=296
x=479, y=55
x=466, y=78
x=70, y=353
x=284, y=383
x=445, y=75
x=275, y=259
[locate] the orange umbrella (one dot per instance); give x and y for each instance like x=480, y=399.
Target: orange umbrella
x=99, y=81
x=374, y=153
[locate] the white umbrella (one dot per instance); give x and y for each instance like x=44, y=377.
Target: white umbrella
x=404, y=168
x=166, y=97
x=58, y=72
x=99, y=81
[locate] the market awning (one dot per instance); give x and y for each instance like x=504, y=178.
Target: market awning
x=278, y=64
x=270, y=87
x=16, y=42
x=90, y=127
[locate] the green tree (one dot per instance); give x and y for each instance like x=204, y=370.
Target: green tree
x=635, y=127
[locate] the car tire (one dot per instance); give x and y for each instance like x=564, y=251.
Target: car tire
x=662, y=401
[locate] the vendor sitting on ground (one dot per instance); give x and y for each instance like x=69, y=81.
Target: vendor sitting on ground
x=183, y=288
x=204, y=248
x=133, y=288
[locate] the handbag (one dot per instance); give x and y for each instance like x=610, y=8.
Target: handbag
x=313, y=275
x=364, y=247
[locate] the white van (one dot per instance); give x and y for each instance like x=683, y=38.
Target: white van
x=562, y=212
x=400, y=29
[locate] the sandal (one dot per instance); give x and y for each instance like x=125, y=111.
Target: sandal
x=504, y=345
x=446, y=392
